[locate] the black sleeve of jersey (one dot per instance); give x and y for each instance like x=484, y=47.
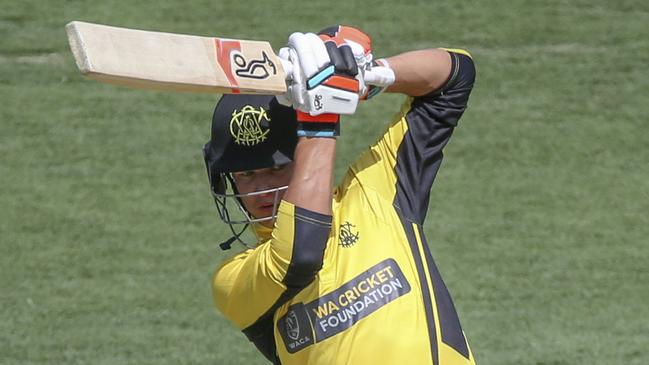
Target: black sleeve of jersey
x=311, y=231
x=431, y=121
x=261, y=335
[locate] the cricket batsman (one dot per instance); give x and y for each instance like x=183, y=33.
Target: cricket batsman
x=338, y=275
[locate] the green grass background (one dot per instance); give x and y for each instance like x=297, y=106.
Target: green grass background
x=538, y=220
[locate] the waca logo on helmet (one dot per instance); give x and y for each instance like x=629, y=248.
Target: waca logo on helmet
x=249, y=126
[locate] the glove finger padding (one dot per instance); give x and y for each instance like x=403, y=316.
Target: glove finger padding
x=286, y=99
x=295, y=89
x=326, y=89
x=347, y=64
x=350, y=35
x=360, y=45
x=311, y=52
x=359, y=42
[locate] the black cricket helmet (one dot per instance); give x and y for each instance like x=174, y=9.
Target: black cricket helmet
x=249, y=132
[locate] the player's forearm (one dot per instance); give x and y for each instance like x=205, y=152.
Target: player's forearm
x=311, y=185
x=420, y=72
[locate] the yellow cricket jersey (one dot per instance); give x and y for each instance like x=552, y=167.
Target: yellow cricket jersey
x=360, y=286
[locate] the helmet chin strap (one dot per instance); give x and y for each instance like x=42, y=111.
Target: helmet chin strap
x=227, y=244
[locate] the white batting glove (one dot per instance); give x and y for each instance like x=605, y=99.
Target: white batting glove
x=317, y=84
x=373, y=77
x=295, y=84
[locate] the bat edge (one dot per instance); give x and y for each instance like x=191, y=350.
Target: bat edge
x=77, y=46
x=147, y=84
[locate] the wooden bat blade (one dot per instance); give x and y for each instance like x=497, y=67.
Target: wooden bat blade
x=175, y=62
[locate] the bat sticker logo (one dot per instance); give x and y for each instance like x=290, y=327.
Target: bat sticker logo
x=254, y=69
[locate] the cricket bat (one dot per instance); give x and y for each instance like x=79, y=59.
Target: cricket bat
x=175, y=62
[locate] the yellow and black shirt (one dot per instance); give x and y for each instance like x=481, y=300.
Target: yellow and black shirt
x=359, y=287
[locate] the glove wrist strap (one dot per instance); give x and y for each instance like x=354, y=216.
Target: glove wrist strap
x=374, y=90
x=323, y=125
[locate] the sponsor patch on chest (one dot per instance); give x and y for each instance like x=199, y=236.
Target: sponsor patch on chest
x=333, y=313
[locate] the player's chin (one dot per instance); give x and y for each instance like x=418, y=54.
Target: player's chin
x=263, y=211
x=270, y=223
x=265, y=216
